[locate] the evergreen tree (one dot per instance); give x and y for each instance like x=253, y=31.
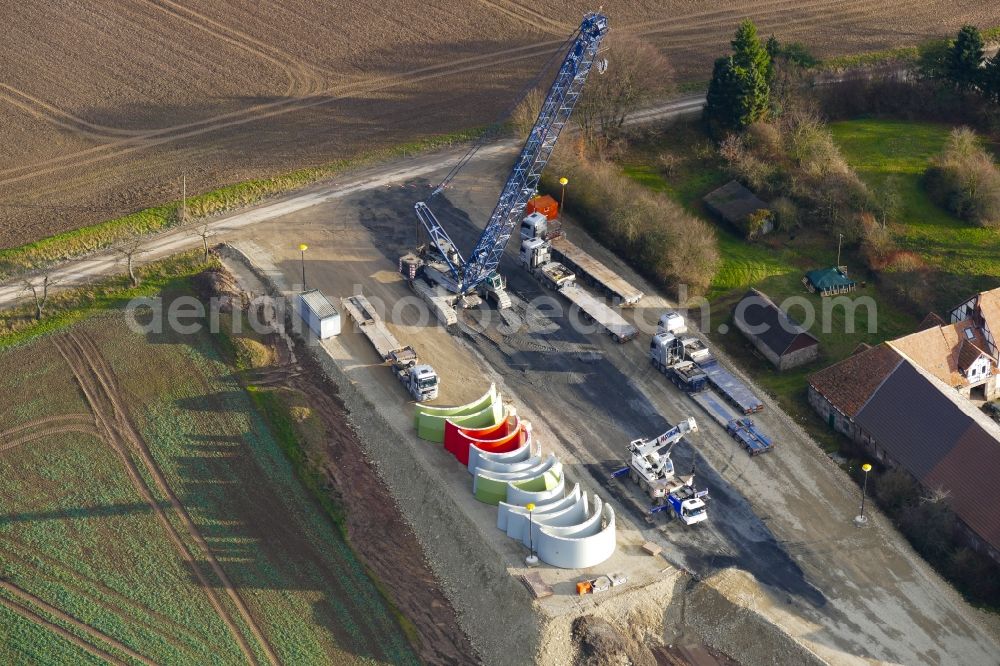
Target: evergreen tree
x=990, y=79
x=752, y=66
x=722, y=103
x=965, y=57
x=739, y=93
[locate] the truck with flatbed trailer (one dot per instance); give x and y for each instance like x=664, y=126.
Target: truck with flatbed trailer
x=724, y=382
x=666, y=353
x=536, y=258
x=419, y=379
x=542, y=224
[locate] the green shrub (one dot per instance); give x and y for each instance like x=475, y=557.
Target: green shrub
x=964, y=180
x=647, y=229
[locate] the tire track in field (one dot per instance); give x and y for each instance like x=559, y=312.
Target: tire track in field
x=109, y=384
x=827, y=17
x=53, y=115
x=94, y=634
x=301, y=78
x=529, y=16
x=105, y=409
x=270, y=109
x=85, y=586
x=31, y=615
x=721, y=15
x=728, y=20
x=82, y=417
x=86, y=429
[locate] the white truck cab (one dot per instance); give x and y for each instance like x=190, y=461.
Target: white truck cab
x=672, y=322
x=535, y=252
x=693, y=511
x=535, y=225
x=423, y=382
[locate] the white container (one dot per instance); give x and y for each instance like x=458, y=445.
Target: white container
x=319, y=314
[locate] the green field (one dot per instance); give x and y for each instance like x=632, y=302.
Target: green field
x=77, y=535
x=965, y=258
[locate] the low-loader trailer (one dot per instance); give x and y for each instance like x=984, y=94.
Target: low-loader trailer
x=419, y=379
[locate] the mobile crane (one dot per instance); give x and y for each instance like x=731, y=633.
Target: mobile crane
x=652, y=470
x=437, y=271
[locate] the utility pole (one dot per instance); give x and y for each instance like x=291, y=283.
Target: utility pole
x=840, y=240
x=183, y=198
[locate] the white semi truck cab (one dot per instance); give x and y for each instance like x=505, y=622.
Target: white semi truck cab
x=419, y=379
x=672, y=322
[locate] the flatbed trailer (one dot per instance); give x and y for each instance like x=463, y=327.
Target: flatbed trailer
x=746, y=433
x=730, y=388
x=596, y=310
x=419, y=379
x=371, y=325
x=593, y=272
x=715, y=407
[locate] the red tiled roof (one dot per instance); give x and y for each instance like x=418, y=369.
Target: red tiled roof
x=930, y=321
x=850, y=383
x=989, y=307
x=971, y=472
x=969, y=354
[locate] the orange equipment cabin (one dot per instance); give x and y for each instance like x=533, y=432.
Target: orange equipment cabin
x=543, y=204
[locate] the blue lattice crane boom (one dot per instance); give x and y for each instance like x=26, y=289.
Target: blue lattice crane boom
x=523, y=179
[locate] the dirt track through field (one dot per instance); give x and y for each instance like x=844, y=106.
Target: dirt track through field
x=93, y=633
x=100, y=594
x=528, y=15
x=29, y=614
x=97, y=382
x=51, y=114
x=301, y=78
x=258, y=112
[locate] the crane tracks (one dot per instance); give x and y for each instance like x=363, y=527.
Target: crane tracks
x=99, y=386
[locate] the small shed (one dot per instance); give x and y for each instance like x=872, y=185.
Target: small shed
x=781, y=339
x=735, y=204
x=829, y=281
x=319, y=314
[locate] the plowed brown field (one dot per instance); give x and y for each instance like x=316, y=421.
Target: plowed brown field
x=104, y=104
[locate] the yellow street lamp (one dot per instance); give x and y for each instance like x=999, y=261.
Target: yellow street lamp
x=861, y=519
x=302, y=254
x=531, y=560
x=564, y=181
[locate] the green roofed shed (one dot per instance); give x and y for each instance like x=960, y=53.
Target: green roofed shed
x=829, y=281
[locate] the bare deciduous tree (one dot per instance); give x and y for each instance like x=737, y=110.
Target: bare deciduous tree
x=40, y=292
x=204, y=232
x=130, y=250
x=637, y=73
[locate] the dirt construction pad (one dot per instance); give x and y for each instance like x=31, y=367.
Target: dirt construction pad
x=779, y=564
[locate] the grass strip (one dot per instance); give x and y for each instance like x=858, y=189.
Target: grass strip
x=78, y=242
x=18, y=325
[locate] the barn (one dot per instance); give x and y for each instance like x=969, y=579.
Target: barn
x=778, y=337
